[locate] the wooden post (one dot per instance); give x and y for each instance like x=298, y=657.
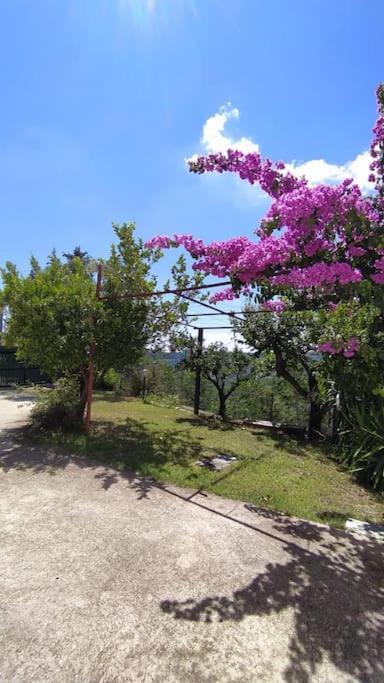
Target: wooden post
x=198, y=371
x=91, y=364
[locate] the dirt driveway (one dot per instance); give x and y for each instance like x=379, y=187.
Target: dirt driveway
x=109, y=577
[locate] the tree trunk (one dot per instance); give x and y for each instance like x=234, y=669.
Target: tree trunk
x=316, y=410
x=82, y=393
x=315, y=418
x=282, y=371
x=222, y=406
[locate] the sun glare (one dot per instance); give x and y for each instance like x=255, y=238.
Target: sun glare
x=140, y=9
x=144, y=12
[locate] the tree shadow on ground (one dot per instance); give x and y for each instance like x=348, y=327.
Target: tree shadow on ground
x=18, y=398
x=336, y=594
x=138, y=442
x=23, y=454
x=332, y=582
x=331, y=516
x=111, y=397
x=291, y=443
x=133, y=445
x=296, y=444
x=212, y=422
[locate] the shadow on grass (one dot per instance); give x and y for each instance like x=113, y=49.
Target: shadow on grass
x=296, y=444
x=210, y=421
x=138, y=442
x=128, y=447
x=112, y=397
x=134, y=445
x=293, y=444
x=333, y=516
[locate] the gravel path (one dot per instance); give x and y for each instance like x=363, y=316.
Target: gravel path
x=14, y=409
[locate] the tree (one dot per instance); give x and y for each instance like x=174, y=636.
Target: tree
x=352, y=364
x=77, y=253
x=316, y=245
x=224, y=369
x=54, y=317
x=287, y=340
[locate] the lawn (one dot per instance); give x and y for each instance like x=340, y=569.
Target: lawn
x=273, y=470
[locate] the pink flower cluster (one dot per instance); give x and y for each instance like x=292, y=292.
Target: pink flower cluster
x=318, y=275
x=251, y=167
x=377, y=145
x=355, y=252
x=320, y=237
x=274, y=306
x=378, y=277
x=159, y=242
x=348, y=348
x=225, y=295
x=194, y=246
x=308, y=212
x=228, y=294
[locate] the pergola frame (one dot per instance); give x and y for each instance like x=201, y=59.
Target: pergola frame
x=146, y=295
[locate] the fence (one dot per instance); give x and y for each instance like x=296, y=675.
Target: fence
x=14, y=372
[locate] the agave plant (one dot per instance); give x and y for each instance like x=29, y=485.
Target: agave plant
x=363, y=443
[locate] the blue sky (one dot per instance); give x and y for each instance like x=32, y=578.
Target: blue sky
x=102, y=100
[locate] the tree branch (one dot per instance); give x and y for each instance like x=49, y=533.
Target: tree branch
x=282, y=371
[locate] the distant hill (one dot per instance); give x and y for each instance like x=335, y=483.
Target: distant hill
x=170, y=358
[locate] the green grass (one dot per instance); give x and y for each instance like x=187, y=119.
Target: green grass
x=273, y=471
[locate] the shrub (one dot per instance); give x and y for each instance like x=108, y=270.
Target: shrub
x=110, y=381
x=59, y=408
x=135, y=382
x=161, y=399
x=363, y=444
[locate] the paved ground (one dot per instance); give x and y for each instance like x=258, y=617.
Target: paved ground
x=14, y=409
x=109, y=577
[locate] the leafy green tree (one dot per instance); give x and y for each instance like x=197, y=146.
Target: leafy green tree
x=226, y=370
x=287, y=340
x=268, y=397
x=77, y=253
x=55, y=318
x=358, y=379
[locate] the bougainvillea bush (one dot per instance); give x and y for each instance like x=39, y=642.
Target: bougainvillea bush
x=319, y=248
x=317, y=245
x=324, y=241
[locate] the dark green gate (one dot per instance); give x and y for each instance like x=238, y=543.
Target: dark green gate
x=14, y=372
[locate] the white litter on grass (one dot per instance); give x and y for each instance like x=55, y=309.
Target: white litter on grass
x=219, y=462
x=372, y=530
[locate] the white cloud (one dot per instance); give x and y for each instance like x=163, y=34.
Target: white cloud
x=215, y=139
x=320, y=171
x=225, y=337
